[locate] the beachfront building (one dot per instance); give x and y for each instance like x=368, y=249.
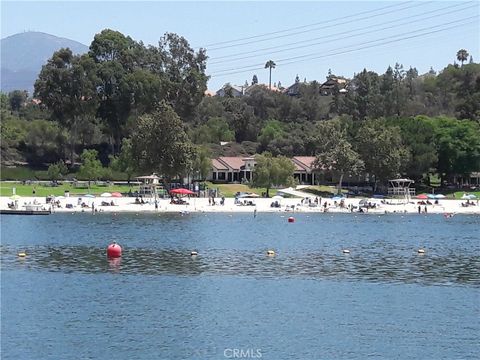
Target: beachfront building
x=304, y=169
x=236, y=169
x=232, y=169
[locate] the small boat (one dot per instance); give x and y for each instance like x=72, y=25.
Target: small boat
x=30, y=209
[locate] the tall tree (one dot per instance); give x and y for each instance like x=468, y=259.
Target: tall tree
x=124, y=161
x=17, y=99
x=458, y=146
x=202, y=163
x=272, y=171
x=184, y=73
x=160, y=143
x=270, y=65
x=91, y=168
x=112, y=52
x=462, y=55
x=382, y=150
x=419, y=137
x=67, y=86
x=340, y=158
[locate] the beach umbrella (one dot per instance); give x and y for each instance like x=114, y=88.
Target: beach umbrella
x=431, y=196
x=422, y=197
x=469, y=196
x=89, y=196
x=15, y=197
x=181, y=191
x=277, y=197
x=440, y=196
x=106, y=194
x=116, y=194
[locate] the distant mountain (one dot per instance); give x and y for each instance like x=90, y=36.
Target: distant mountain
x=22, y=57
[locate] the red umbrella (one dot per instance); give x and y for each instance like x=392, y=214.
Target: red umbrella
x=182, y=191
x=116, y=194
x=422, y=196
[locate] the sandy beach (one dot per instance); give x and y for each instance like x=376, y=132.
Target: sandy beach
x=287, y=205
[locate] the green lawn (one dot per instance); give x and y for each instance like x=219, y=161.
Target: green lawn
x=42, y=190
x=229, y=190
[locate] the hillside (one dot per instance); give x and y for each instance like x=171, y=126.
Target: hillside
x=22, y=57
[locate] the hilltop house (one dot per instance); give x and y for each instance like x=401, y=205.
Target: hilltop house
x=230, y=90
x=328, y=87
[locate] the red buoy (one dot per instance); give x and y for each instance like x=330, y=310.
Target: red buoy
x=114, y=250
x=291, y=219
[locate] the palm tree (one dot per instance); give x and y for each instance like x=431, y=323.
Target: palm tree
x=271, y=65
x=462, y=55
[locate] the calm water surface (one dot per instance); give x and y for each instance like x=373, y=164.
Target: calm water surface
x=65, y=300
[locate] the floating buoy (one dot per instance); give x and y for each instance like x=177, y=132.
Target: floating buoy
x=346, y=251
x=193, y=253
x=114, y=250
x=22, y=254
x=270, y=253
x=291, y=219
x=421, y=251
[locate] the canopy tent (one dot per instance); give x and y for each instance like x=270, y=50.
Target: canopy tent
x=182, y=191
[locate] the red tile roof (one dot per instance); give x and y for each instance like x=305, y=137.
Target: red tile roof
x=218, y=165
x=233, y=162
x=305, y=162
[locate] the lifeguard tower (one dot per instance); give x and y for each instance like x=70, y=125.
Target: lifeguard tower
x=150, y=185
x=400, y=189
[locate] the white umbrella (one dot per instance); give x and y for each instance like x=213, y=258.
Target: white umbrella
x=106, y=194
x=277, y=197
x=468, y=196
x=440, y=196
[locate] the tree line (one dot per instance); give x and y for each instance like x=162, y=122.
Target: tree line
x=143, y=108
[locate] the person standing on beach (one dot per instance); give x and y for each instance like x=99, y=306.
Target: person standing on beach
x=255, y=212
x=419, y=209
x=156, y=204
x=425, y=209
x=93, y=208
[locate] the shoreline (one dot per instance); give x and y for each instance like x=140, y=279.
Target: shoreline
x=261, y=205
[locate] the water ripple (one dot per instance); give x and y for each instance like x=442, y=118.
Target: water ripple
x=374, y=266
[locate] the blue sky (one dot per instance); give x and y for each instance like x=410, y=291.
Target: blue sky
x=347, y=36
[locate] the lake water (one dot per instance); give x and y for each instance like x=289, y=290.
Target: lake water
x=66, y=300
